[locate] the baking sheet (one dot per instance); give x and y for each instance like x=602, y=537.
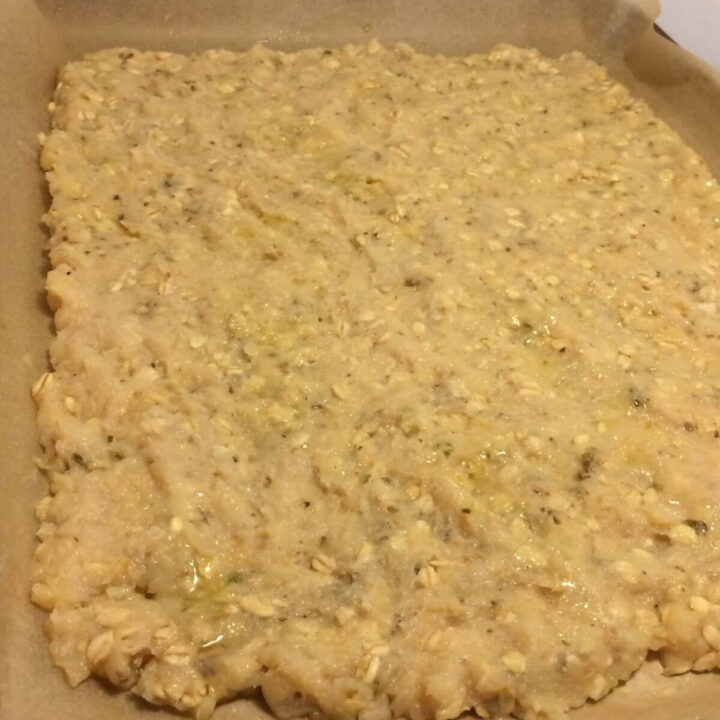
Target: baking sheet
x=36, y=39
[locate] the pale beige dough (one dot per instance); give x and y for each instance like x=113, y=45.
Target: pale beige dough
x=385, y=383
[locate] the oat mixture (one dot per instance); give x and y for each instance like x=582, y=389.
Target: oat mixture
x=386, y=383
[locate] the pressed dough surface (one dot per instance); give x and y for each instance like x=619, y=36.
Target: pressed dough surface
x=383, y=382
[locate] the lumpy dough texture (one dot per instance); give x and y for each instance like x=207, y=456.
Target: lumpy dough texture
x=383, y=382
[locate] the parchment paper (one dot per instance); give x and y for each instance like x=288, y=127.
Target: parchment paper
x=35, y=40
